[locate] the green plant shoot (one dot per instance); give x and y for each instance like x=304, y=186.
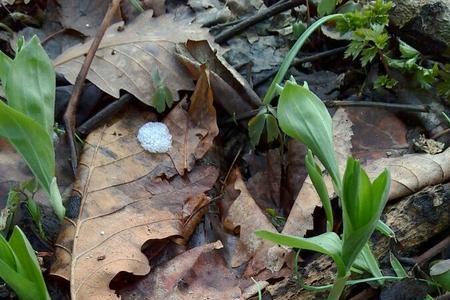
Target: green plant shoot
x=262, y=119
x=304, y=117
x=162, y=97
x=20, y=269
x=27, y=120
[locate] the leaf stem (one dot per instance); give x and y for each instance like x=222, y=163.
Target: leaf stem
x=293, y=53
x=338, y=287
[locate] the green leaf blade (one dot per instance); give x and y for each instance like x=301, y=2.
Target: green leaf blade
x=32, y=67
x=35, y=146
x=255, y=128
x=24, y=288
x=5, y=66
x=362, y=204
x=321, y=189
x=303, y=116
x=27, y=258
x=293, y=53
x=326, y=7
x=397, y=266
x=7, y=254
x=327, y=243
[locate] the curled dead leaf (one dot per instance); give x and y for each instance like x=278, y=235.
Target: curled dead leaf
x=245, y=217
x=231, y=90
x=412, y=172
x=193, y=131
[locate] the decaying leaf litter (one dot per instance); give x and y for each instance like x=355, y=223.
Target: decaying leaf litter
x=180, y=225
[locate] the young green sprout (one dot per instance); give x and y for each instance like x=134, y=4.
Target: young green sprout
x=27, y=120
x=304, y=117
x=20, y=269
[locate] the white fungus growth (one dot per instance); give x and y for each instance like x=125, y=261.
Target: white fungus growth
x=155, y=137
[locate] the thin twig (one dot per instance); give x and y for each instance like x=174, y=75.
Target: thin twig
x=224, y=182
x=433, y=251
x=440, y=133
x=299, y=61
x=199, y=209
x=343, y=103
x=69, y=115
x=408, y=107
x=263, y=15
x=52, y=35
x=104, y=115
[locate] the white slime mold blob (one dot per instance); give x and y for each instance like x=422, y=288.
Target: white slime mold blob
x=155, y=137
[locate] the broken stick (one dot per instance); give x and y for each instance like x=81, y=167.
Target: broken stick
x=69, y=115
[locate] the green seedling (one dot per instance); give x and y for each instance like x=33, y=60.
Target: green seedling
x=367, y=28
x=23, y=194
x=277, y=220
x=370, y=39
x=20, y=269
x=410, y=63
x=162, y=97
x=326, y=7
x=397, y=266
x=27, y=120
x=304, y=117
x=35, y=213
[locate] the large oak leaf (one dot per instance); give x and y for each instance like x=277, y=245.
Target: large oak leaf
x=125, y=202
x=129, y=54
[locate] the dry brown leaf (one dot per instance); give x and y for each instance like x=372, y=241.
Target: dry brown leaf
x=377, y=133
x=300, y=218
x=124, y=203
x=84, y=16
x=411, y=173
x=197, y=274
x=129, y=11
x=193, y=131
x=158, y=6
x=264, y=183
x=127, y=56
x=245, y=216
x=231, y=90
